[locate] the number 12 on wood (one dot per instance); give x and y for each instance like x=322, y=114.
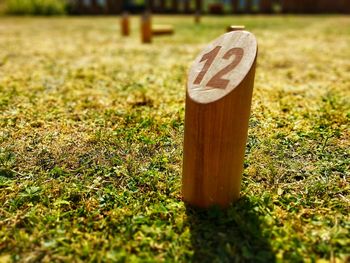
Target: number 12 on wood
x=218, y=101
x=217, y=81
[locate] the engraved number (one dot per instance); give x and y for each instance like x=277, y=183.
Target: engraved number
x=209, y=57
x=217, y=81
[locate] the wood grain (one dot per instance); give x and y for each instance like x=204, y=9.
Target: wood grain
x=216, y=120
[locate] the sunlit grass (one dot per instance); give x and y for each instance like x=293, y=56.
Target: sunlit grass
x=91, y=132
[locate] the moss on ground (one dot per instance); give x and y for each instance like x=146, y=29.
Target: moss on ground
x=91, y=131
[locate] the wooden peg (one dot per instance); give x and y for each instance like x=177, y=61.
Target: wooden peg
x=160, y=30
x=125, y=25
x=146, y=28
x=235, y=28
x=218, y=101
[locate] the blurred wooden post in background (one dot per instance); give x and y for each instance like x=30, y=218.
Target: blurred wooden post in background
x=235, y=28
x=162, y=30
x=125, y=25
x=218, y=101
x=148, y=31
x=146, y=28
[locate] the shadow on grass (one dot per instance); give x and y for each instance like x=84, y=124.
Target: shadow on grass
x=233, y=235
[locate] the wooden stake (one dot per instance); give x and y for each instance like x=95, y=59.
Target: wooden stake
x=159, y=30
x=125, y=25
x=234, y=28
x=146, y=28
x=218, y=101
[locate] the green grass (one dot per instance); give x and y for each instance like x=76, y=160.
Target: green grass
x=35, y=7
x=91, y=132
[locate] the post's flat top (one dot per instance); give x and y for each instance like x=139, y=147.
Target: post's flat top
x=236, y=27
x=221, y=66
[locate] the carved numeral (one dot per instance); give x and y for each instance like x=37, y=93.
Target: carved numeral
x=209, y=58
x=217, y=81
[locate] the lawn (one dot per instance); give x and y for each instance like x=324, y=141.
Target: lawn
x=91, y=134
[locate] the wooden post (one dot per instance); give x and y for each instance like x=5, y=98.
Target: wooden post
x=235, y=28
x=125, y=25
x=161, y=30
x=218, y=101
x=146, y=28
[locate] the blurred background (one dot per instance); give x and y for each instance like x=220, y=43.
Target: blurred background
x=102, y=7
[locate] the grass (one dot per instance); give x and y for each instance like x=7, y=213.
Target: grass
x=91, y=132
x=35, y=7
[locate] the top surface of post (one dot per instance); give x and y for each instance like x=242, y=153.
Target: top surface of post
x=221, y=66
x=235, y=28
